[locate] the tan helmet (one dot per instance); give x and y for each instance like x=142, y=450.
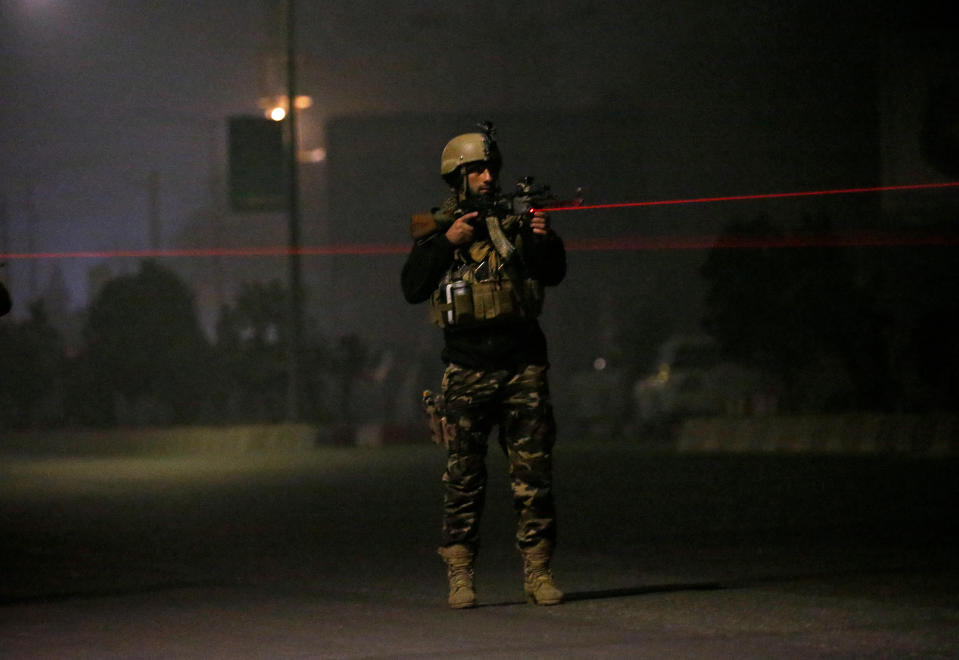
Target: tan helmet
x=469, y=148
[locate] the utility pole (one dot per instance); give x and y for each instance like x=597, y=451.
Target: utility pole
x=153, y=210
x=4, y=231
x=33, y=219
x=4, y=236
x=295, y=306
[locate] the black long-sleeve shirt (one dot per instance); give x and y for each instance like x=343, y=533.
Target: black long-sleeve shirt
x=501, y=343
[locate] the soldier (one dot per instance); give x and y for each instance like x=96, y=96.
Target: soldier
x=482, y=268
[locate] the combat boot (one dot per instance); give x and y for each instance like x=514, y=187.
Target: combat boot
x=539, y=584
x=459, y=570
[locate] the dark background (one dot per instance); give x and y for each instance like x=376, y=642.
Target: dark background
x=114, y=132
x=833, y=372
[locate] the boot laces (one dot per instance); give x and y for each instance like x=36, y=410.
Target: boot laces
x=460, y=577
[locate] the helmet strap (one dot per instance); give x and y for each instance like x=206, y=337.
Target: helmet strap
x=463, y=187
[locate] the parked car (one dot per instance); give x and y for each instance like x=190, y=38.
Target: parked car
x=693, y=380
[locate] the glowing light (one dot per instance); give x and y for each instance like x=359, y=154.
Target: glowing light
x=663, y=373
x=276, y=107
x=317, y=155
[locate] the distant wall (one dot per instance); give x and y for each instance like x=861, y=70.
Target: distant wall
x=932, y=435
x=160, y=441
x=863, y=434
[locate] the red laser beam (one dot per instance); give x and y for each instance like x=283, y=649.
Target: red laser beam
x=855, y=239
x=640, y=243
x=358, y=249
x=739, y=198
x=627, y=244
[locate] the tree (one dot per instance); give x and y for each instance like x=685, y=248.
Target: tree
x=939, y=139
x=31, y=355
x=799, y=313
x=144, y=342
x=251, y=343
x=916, y=290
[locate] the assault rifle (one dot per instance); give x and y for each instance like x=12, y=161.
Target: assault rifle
x=484, y=206
x=527, y=197
x=523, y=201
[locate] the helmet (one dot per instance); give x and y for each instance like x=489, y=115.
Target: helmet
x=469, y=148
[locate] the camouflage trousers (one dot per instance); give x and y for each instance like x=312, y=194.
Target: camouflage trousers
x=518, y=403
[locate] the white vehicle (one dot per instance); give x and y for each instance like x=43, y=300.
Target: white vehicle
x=693, y=380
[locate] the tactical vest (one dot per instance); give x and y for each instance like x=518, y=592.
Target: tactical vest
x=487, y=282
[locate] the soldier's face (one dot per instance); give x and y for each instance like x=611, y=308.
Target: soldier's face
x=480, y=179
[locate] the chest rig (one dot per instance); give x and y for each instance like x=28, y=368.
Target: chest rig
x=488, y=280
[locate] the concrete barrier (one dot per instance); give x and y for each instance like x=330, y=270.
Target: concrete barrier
x=383, y=435
x=160, y=441
x=206, y=439
x=921, y=435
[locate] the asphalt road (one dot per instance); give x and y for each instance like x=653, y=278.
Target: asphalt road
x=331, y=554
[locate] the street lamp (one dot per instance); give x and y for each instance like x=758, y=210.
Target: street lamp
x=296, y=287
x=277, y=107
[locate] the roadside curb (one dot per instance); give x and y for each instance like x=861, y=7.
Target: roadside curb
x=371, y=435
x=912, y=435
x=918, y=435
x=255, y=438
